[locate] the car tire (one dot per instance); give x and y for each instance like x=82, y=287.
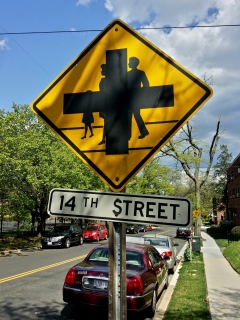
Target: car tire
x=153, y=306
x=98, y=238
x=67, y=243
x=106, y=237
x=171, y=271
x=80, y=241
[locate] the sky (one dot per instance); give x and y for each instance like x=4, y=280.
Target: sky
x=30, y=61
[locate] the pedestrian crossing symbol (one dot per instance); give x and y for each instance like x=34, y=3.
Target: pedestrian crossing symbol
x=119, y=102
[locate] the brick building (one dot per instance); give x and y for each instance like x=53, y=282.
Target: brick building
x=233, y=187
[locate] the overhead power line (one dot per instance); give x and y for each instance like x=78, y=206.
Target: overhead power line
x=98, y=30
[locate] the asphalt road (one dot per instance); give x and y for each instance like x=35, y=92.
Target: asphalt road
x=31, y=282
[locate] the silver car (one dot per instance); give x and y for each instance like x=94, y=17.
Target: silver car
x=165, y=246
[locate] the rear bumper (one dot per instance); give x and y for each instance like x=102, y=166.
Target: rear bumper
x=100, y=299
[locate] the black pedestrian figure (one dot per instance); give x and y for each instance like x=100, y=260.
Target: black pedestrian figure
x=88, y=119
x=136, y=79
x=103, y=88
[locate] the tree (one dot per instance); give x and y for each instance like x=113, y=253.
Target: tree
x=35, y=161
x=154, y=178
x=224, y=160
x=189, y=152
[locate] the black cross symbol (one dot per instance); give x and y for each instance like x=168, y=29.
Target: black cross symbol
x=119, y=101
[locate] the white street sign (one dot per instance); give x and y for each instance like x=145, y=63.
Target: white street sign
x=120, y=207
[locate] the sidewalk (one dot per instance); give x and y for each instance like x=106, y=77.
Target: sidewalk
x=223, y=283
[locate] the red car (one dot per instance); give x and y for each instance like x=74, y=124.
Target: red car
x=95, y=232
x=86, y=283
x=149, y=227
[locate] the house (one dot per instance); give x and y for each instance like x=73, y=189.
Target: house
x=233, y=187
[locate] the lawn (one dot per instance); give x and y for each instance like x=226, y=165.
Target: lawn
x=12, y=241
x=189, y=297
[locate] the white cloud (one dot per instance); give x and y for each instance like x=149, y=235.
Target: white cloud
x=213, y=51
x=3, y=44
x=83, y=2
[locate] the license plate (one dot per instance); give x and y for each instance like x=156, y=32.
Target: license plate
x=49, y=243
x=99, y=284
x=86, y=237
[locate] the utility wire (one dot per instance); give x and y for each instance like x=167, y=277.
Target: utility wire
x=98, y=30
x=28, y=54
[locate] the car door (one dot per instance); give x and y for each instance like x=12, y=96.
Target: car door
x=101, y=232
x=158, y=264
x=174, y=249
x=73, y=234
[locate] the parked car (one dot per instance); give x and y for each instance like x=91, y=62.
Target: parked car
x=149, y=227
x=183, y=232
x=95, y=232
x=131, y=228
x=62, y=235
x=142, y=228
x=86, y=283
x=165, y=246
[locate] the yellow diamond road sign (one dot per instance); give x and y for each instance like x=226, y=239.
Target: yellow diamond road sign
x=119, y=102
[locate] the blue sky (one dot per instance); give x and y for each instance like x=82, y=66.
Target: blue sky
x=28, y=63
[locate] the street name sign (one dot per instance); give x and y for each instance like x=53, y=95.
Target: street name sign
x=120, y=207
x=119, y=102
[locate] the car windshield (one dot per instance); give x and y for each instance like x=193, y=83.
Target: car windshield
x=59, y=229
x=132, y=258
x=91, y=228
x=156, y=241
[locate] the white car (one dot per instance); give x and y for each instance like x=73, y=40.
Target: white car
x=165, y=246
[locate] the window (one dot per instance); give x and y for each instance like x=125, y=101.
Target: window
x=154, y=256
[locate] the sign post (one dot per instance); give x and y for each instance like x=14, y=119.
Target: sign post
x=115, y=106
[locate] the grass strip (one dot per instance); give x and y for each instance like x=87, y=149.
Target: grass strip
x=189, y=298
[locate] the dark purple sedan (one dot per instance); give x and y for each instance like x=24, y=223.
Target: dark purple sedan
x=147, y=275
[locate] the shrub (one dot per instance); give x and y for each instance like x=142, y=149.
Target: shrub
x=213, y=230
x=236, y=231
x=226, y=226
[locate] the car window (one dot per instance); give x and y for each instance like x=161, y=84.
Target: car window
x=59, y=229
x=91, y=228
x=154, y=256
x=134, y=259
x=100, y=255
x=156, y=241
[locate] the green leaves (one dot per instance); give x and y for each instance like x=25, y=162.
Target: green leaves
x=33, y=160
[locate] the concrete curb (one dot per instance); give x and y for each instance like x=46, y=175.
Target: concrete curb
x=18, y=251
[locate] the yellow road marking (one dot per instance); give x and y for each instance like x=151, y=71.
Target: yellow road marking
x=24, y=274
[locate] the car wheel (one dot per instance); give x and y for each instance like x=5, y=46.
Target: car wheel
x=98, y=238
x=106, y=237
x=152, y=308
x=80, y=241
x=67, y=243
x=171, y=271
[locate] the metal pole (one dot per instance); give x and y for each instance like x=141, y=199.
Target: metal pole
x=117, y=302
